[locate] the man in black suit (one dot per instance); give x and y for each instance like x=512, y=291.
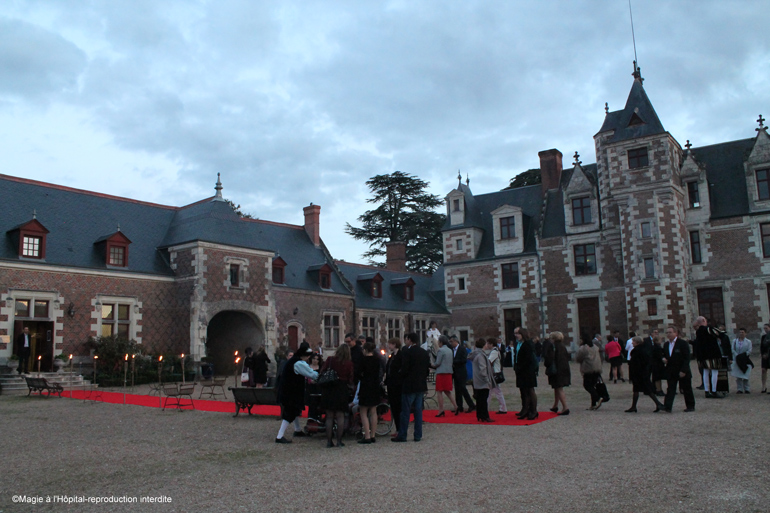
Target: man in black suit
x=415, y=365
x=460, y=375
x=23, y=347
x=677, y=360
x=356, y=356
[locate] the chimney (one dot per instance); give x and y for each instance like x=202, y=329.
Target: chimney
x=550, y=169
x=313, y=223
x=395, y=256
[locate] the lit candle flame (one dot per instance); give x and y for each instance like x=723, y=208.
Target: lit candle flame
x=96, y=357
x=70, y=357
x=126, y=357
x=182, y=355
x=133, y=356
x=236, y=353
x=382, y=351
x=39, y=357
x=160, y=358
x=237, y=360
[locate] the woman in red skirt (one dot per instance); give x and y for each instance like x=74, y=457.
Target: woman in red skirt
x=443, y=368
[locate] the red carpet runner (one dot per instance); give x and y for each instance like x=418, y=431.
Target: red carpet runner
x=429, y=416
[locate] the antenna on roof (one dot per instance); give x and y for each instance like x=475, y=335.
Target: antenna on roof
x=633, y=36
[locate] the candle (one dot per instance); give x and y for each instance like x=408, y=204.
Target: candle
x=125, y=377
x=183, y=368
x=160, y=381
x=71, y=375
x=38, y=364
x=96, y=358
x=235, y=384
x=133, y=359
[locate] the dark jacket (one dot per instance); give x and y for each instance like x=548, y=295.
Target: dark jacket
x=415, y=366
x=292, y=391
x=260, y=367
x=706, y=345
x=357, y=357
x=557, y=353
x=679, y=360
x=393, y=378
x=459, y=369
x=525, y=365
x=638, y=366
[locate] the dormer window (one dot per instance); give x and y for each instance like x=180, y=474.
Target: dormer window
x=508, y=227
x=376, y=289
x=693, y=194
x=324, y=275
x=117, y=256
x=638, y=158
x=581, y=211
x=30, y=239
x=408, y=287
x=409, y=292
x=763, y=184
x=114, y=249
x=278, y=270
x=456, y=205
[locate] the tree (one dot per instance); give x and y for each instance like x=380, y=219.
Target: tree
x=405, y=212
x=528, y=177
x=237, y=210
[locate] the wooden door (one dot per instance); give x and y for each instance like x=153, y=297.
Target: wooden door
x=293, y=338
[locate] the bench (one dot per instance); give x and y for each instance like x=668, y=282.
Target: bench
x=176, y=392
x=210, y=386
x=246, y=397
x=42, y=384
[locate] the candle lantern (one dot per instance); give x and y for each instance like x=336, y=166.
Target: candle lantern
x=183, y=368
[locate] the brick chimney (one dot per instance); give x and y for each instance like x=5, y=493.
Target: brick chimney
x=313, y=223
x=395, y=256
x=550, y=169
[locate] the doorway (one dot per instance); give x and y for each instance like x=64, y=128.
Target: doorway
x=293, y=338
x=512, y=318
x=228, y=332
x=41, y=343
x=588, y=316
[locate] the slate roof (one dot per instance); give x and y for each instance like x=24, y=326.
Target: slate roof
x=726, y=176
x=427, y=298
x=637, y=103
x=78, y=219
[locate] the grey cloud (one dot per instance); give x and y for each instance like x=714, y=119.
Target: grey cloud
x=34, y=62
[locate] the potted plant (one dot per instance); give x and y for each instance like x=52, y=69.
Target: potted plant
x=12, y=362
x=60, y=361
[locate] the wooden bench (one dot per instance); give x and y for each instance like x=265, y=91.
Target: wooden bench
x=210, y=386
x=246, y=397
x=175, y=394
x=42, y=384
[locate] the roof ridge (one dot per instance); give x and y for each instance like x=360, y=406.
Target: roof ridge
x=722, y=143
x=82, y=191
x=274, y=223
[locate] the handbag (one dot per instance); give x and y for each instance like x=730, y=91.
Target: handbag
x=499, y=377
x=327, y=377
x=601, y=389
x=551, y=370
x=244, y=376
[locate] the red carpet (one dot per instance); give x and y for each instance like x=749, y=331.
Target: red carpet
x=429, y=416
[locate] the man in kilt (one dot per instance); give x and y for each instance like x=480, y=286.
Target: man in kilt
x=709, y=356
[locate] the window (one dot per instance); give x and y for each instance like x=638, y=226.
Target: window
x=325, y=280
x=408, y=292
x=235, y=272
x=508, y=227
x=30, y=247
x=585, y=259
x=637, y=158
x=459, y=244
x=456, y=205
x=464, y=336
x=765, y=231
x=581, y=211
x=460, y=283
x=421, y=328
x=649, y=268
x=646, y=230
x=279, y=275
x=652, y=307
x=117, y=256
x=394, y=328
x=763, y=184
x=331, y=330
x=116, y=320
x=695, y=247
x=369, y=327
x=31, y=308
x=512, y=320
x=693, y=194
x=711, y=306
x=376, y=289
x=510, y=274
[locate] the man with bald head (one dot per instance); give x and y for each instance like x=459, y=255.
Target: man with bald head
x=677, y=360
x=706, y=347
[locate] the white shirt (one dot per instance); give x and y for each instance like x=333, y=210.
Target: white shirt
x=629, y=348
x=26, y=340
x=671, y=346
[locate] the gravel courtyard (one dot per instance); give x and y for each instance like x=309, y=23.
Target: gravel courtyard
x=608, y=460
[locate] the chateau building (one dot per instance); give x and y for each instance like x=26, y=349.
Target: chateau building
x=651, y=234
x=197, y=279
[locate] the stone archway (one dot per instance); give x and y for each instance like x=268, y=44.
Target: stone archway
x=231, y=331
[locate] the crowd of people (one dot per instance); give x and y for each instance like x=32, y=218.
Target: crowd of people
x=358, y=377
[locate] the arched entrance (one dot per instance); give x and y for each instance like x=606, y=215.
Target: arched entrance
x=228, y=332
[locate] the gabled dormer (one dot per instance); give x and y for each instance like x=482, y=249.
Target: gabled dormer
x=508, y=228
x=463, y=229
x=757, y=170
x=455, y=201
x=372, y=282
x=322, y=273
x=30, y=239
x=114, y=249
x=405, y=287
x=694, y=182
x=279, y=271
x=581, y=202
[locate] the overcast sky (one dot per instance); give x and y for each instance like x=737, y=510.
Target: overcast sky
x=300, y=102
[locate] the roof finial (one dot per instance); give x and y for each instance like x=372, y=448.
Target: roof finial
x=459, y=178
x=606, y=108
x=118, y=226
x=577, y=159
x=218, y=187
x=637, y=74
x=34, y=214
x=688, y=145
x=467, y=180
x=761, y=122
